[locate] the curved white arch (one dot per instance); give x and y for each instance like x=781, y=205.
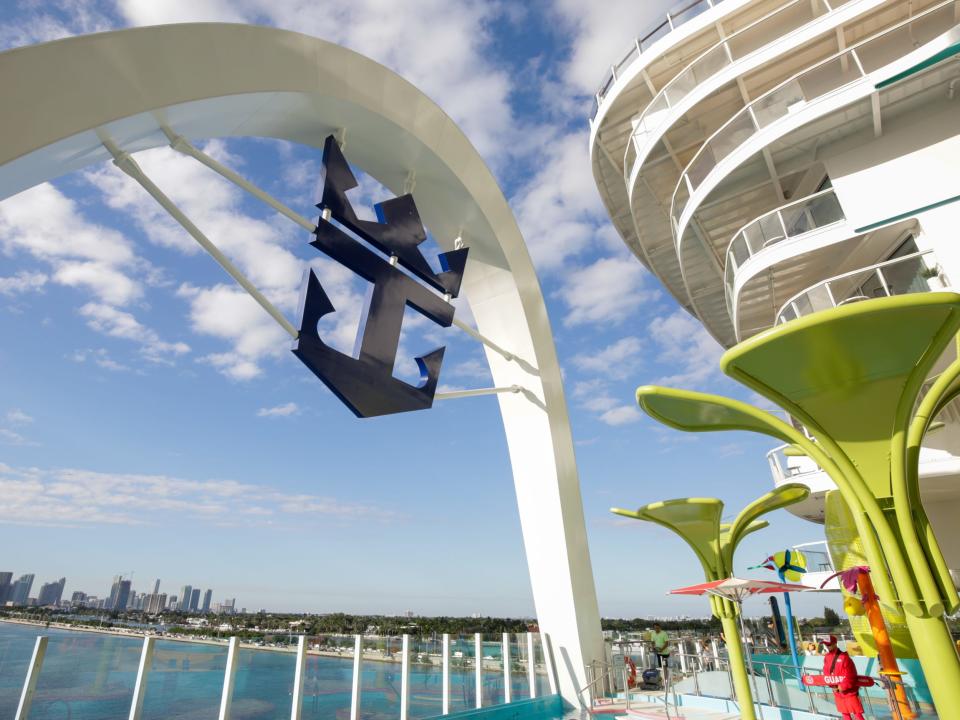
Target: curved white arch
x=217, y=80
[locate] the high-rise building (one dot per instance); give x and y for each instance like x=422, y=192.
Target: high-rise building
x=5, y=587
x=78, y=598
x=20, y=591
x=51, y=593
x=156, y=587
x=207, y=597
x=172, y=602
x=185, y=592
x=119, y=594
x=156, y=603
x=195, y=599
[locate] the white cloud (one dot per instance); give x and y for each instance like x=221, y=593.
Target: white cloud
x=608, y=290
x=603, y=33
x=117, y=323
x=22, y=282
x=10, y=437
x=686, y=346
x=621, y=415
x=615, y=360
x=43, y=26
x=16, y=416
x=48, y=225
x=99, y=357
x=558, y=209
x=73, y=497
x=285, y=410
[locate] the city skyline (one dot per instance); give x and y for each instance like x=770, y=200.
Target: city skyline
x=122, y=595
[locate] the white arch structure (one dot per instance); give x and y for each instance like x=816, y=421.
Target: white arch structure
x=60, y=99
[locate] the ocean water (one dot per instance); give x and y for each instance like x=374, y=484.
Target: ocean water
x=90, y=676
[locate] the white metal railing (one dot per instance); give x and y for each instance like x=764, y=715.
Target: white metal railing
x=789, y=221
x=899, y=276
x=674, y=18
x=851, y=65
x=702, y=68
x=526, y=654
x=782, y=471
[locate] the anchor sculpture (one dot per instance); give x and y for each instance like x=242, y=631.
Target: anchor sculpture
x=365, y=383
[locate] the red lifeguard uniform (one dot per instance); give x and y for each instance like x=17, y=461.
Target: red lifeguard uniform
x=840, y=673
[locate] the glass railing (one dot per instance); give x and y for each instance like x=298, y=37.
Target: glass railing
x=914, y=273
x=813, y=212
x=674, y=18
x=86, y=675
x=825, y=77
x=730, y=49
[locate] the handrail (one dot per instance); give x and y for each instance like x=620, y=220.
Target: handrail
x=813, y=208
x=651, y=35
x=851, y=273
x=664, y=92
x=749, y=109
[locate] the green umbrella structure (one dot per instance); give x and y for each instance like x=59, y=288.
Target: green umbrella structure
x=852, y=377
x=697, y=521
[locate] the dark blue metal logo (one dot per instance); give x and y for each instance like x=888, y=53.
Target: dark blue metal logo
x=365, y=383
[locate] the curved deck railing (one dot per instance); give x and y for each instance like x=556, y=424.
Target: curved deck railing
x=814, y=212
x=900, y=276
x=674, y=18
x=813, y=83
x=701, y=69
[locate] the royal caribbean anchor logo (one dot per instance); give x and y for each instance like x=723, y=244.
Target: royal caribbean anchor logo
x=365, y=383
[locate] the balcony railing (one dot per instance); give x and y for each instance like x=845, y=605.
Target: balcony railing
x=674, y=18
x=914, y=273
x=704, y=67
x=813, y=212
x=851, y=65
x=299, y=676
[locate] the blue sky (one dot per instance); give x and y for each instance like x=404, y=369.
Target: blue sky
x=153, y=420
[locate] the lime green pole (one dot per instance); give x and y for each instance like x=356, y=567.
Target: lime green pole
x=697, y=522
x=852, y=376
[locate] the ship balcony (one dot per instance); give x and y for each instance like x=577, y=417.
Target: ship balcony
x=811, y=222
x=913, y=273
x=825, y=87
x=678, y=15
x=766, y=39
x=789, y=464
x=752, y=163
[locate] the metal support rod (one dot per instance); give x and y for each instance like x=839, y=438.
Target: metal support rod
x=531, y=666
x=505, y=656
x=182, y=145
x=446, y=674
x=478, y=667
x=357, y=685
x=128, y=165
x=453, y=395
x=33, y=674
x=296, y=701
x=140, y=686
x=508, y=356
x=405, y=678
x=229, y=673
x=547, y=646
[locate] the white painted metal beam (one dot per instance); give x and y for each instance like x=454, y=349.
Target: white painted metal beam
x=445, y=655
x=296, y=699
x=33, y=674
x=357, y=685
x=405, y=678
x=143, y=671
x=229, y=674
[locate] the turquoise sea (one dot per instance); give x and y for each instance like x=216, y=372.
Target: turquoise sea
x=87, y=676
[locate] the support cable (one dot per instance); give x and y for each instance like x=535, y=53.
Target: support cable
x=128, y=165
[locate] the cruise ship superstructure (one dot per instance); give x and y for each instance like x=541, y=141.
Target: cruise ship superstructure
x=767, y=159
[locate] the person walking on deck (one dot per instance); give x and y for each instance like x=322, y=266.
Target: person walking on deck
x=661, y=645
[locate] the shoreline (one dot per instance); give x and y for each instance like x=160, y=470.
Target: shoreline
x=135, y=633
